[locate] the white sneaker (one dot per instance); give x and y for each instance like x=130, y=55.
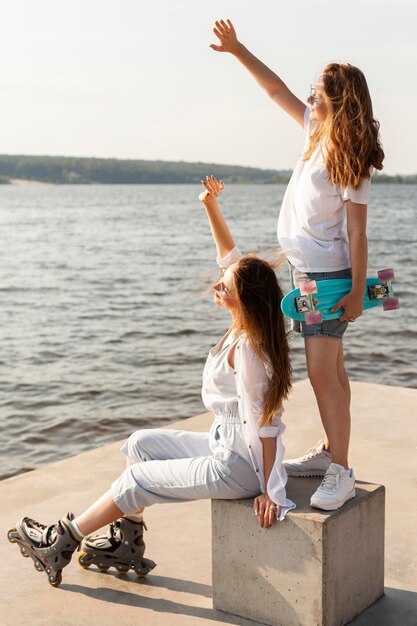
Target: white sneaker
x=315, y=462
x=337, y=487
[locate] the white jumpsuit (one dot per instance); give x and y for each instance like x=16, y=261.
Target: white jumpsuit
x=176, y=466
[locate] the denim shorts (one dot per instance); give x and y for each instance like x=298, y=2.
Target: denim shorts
x=328, y=328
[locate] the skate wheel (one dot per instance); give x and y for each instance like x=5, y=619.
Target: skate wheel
x=386, y=275
x=56, y=580
x=103, y=568
x=38, y=566
x=24, y=553
x=313, y=317
x=390, y=304
x=122, y=570
x=10, y=535
x=84, y=565
x=307, y=287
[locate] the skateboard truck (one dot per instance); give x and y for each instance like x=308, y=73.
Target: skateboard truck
x=384, y=291
x=378, y=292
x=302, y=304
x=307, y=304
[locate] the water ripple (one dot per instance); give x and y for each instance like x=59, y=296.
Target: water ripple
x=103, y=325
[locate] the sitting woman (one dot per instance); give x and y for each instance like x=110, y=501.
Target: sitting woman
x=246, y=378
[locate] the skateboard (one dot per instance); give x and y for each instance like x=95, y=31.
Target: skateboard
x=312, y=301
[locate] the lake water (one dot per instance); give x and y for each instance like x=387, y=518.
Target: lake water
x=104, y=323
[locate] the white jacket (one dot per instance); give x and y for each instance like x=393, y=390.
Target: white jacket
x=252, y=381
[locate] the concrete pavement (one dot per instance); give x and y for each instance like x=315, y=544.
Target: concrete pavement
x=178, y=591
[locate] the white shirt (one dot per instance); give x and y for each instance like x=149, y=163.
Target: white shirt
x=311, y=221
x=252, y=382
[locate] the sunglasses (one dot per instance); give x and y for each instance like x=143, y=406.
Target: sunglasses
x=314, y=97
x=220, y=287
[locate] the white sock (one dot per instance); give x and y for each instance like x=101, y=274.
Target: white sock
x=136, y=517
x=75, y=529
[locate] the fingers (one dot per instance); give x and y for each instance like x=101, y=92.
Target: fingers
x=221, y=26
x=212, y=185
x=222, y=30
x=256, y=506
x=266, y=511
x=349, y=313
x=338, y=306
x=349, y=316
x=351, y=306
x=209, y=185
x=218, y=33
x=259, y=507
x=269, y=516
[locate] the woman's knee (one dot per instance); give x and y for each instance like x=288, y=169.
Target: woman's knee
x=138, y=446
x=322, y=377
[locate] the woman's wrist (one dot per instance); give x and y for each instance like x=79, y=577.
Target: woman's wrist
x=239, y=50
x=358, y=289
x=358, y=285
x=210, y=204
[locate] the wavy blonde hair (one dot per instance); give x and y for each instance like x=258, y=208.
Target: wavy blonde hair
x=259, y=295
x=349, y=134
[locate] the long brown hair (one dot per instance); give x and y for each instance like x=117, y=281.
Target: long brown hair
x=260, y=315
x=349, y=134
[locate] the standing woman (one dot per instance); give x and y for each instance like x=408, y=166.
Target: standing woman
x=246, y=378
x=331, y=181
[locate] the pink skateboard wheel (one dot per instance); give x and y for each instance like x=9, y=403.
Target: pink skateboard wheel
x=390, y=304
x=313, y=317
x=386, y=275
x=307, y=287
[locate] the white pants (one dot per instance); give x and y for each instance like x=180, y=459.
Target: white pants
x=178, y=466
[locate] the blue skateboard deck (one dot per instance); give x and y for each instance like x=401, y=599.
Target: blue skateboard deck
x=323, y=295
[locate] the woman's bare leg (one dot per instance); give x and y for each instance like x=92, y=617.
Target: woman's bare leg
x=344, y=381
x=331, y=387
x=99, y=514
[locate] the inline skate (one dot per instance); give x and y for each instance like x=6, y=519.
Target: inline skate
x=50, y=547
x=122, y=548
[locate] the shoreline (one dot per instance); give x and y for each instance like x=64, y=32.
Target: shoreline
x=22, y=182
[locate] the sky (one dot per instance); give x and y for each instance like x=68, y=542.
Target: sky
x=136, y=79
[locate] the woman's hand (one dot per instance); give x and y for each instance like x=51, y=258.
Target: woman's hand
x=266, y=510
x=212, y=189
x=352, y=303
x=227, y=37
x=221, y=234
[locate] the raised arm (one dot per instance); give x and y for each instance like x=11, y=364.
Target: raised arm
x=220, y=231
x=266, y=78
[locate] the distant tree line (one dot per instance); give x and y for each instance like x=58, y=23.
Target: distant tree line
x=72, y=170
x=410, y=179
x=78, y=171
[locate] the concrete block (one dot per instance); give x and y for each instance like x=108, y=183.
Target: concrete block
x=317, y=568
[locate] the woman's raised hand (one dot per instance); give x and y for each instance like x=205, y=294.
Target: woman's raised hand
x=266, y=510
x=212, y=189
x=226, y=34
